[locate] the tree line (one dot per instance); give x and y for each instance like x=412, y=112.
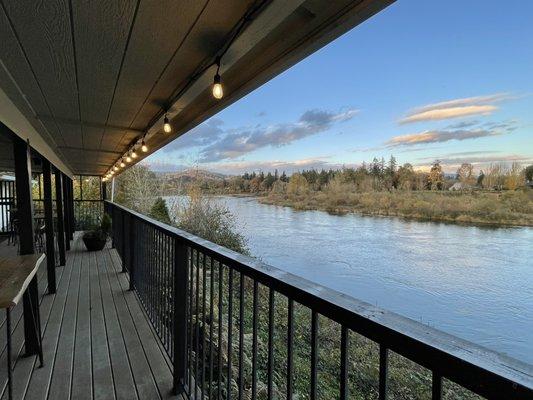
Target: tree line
x=379, y=175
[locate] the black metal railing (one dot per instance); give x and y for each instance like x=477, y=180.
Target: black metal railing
x=7, y=203
x=234, y=327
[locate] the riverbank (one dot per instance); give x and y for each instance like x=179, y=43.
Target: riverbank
x=490, y=208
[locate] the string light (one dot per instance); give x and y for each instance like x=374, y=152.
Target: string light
x=218, y=91
x=116, y=168
x=166, y=125
x=122, y=164
x=128, y=158
x=133, y=154
x=144, y=147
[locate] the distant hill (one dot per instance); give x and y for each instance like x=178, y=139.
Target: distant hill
x=177, y=182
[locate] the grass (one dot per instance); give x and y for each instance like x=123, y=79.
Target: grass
x=477, y=207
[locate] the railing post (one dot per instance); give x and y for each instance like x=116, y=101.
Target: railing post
x=123, y=240
x=180, y=315
x=132, y=244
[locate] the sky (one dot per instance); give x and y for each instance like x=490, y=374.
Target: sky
x=422, y=80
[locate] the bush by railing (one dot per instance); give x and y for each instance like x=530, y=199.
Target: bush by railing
x=235, y=327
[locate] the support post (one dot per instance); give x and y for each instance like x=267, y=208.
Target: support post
x=66, y=212
x=71, y=208
x=49, y=226
x=60, y=217
x=180, y=316
x=32, y=322
x=132, y=244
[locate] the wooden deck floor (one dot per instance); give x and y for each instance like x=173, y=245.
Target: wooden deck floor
x=97, y=341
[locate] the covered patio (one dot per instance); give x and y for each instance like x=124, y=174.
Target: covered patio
x=90, y=89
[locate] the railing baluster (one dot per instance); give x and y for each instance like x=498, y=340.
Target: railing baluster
x=220, y=309
x=211, y=323
x=290, y=339
x=230, y=331
x=180, y=315
x=241, y=337
x=270, y=361
x=344, y=363
x=197, y=326
x=204, y=300
x=254, y=342
x=383, y=371
x=314, y=353
x=191, y=300
x=436, y=387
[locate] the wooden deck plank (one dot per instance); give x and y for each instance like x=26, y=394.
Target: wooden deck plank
x=39, y=383
x=151, y=344
x=146, y=385
x=124, y=383
x=102, y=373
x=82, y=380
x=60, y=379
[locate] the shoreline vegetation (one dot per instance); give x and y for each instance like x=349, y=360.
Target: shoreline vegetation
x=501, y=195
x=476, y=208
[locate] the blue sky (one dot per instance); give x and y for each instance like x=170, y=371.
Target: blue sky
x=422, y=80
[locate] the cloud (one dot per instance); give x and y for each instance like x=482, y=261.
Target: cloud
x=163, y=166
x=437, y=136
x=448, y=134
x=289, y=167
x=450, y=164
x=202, y=135
x=240, y=142
x=480, y=105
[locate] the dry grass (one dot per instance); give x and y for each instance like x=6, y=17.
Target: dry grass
x=496, y=208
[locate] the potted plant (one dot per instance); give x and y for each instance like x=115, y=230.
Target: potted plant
x=96, y=238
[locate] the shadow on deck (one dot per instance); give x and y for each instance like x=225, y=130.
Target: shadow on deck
x=97, y=341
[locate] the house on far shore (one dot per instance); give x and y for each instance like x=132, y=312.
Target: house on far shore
x=460, y=186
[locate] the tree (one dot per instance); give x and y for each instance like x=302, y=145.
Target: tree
x=136, y=188
x=160, y=212
x=465, y=174
x=297, y=185
x=514, y=177
x=406, y=177
x=436, y=176
x=529, y=173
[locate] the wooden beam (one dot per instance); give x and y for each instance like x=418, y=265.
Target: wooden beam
x=60, y=217
x=49, y=226
x=21, y=152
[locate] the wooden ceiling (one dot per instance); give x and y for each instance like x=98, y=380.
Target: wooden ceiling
x=92, y=77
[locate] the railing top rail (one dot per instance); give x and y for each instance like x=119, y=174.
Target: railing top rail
x=476, y=368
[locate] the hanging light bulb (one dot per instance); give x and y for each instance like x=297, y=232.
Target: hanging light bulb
x=218, y=92
x=166, y=125
x=144, y=147
x=116, y=168
x=111, y=172
x=104, y=179
x=128, y=158
x=122, y=164
x=133, y=154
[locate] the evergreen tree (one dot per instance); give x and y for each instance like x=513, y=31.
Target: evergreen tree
x=160, y=212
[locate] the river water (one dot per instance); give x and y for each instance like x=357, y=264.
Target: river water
x=473, y=282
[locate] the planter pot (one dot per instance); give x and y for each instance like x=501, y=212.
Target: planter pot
x=94, y=243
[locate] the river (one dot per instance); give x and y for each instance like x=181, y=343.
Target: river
x=470, y=281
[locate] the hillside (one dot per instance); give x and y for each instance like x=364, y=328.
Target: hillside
x=177, y=182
